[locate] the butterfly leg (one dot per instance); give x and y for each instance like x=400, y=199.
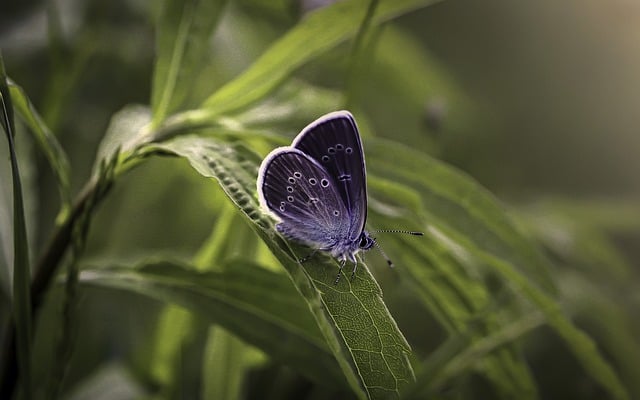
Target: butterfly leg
x=342, y=263
x=355, y=267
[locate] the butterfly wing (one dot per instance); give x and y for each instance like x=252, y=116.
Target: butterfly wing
x=302, y=194
x=334, y=143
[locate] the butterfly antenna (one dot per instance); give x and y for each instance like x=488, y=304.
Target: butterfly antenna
x=375, y=242
x=414, y=233
x=386, y=257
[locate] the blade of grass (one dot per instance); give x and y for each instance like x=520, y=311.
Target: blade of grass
x=459, y=354
x=463, y=304
x=459, y=207
x=182, y=34
x=468, y=214
x=46, y=141
x=318, y=32
x=259, y=306
x=21, y=268
x=582, y=346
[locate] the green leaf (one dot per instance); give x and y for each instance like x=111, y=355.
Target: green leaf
x=472, y=219
x=318, y=32
x=459, y=207
x=574, y=231
x=459, y=354
x=603, y=313
x=45, y=140
x=355, y=322
x=182, y=34
x=582, y=346
x=257, y=305
x=224, y=366
x=128, y=129
x=464, y=305
x=21, y=269
x=293, y=105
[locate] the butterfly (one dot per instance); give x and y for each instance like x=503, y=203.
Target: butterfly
x=317, y=188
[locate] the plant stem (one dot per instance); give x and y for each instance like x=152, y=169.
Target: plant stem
x=43, y=275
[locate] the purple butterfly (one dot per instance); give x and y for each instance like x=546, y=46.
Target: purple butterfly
x=317, y=188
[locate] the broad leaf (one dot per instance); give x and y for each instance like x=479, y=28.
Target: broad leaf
x=354, y=320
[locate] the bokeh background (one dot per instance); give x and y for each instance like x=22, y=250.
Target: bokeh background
x=538, y=101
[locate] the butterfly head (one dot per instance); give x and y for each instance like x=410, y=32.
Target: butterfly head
x=365, y=242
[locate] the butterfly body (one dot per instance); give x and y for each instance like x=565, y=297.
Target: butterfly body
x=317, y=187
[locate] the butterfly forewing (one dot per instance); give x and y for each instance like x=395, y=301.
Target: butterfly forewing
x=334, y=143
x=302, y=194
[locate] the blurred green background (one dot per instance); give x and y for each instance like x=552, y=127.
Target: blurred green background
x=535, y=100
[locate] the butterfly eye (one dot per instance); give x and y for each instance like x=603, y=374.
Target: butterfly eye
x=364, y=241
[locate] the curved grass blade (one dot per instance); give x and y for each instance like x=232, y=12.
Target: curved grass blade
x=316, y=33
x=355, y=322
x=21, y=269
x=182, y=34
x=257, y=305
x=46, y=141
x=459, y=207
x=464, y=305
x=472, y=218
x=465, y=354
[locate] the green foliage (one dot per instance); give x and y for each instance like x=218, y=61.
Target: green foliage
x=21, y=296
x=205, y=299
